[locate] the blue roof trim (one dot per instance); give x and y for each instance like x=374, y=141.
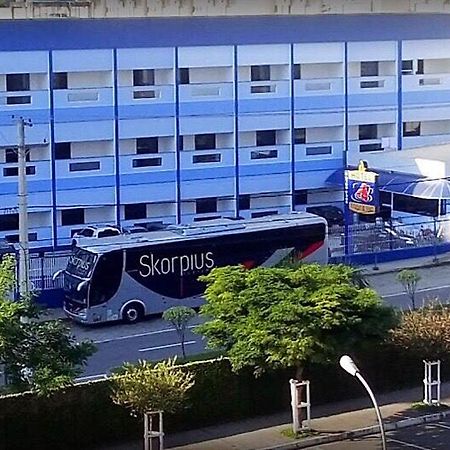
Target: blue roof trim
x=62, y=34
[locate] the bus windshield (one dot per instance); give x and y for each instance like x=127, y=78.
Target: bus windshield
x=81, y=263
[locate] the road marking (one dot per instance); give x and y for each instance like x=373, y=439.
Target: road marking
x=441, y=425
x=131, y=336
x=419, y=291
x=408, y=444
x=166, y=346
x=92, y=377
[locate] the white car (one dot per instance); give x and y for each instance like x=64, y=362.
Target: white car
x=94, y=231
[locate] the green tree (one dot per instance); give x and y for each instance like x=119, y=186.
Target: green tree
x=279, y=317
x=179, y=317
x=409, y=279
x=37, y=354
x=144, y=388
x=424, y=332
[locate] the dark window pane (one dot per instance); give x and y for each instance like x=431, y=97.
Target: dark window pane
x=206, y=205
x=146, y=145
x=263, y=154
x=319, y=150
x=147, y=162
x=18, y=82
x=260, y=89
x=301, y=197
x=411, y=128
x=420, y=67
x=135, y=211
x=72, y=216
x=183, y=76
x=266, y=137
x=216, y=157
x=296, y=72
x=368, y=132
x=414, y=205
x=9, y=222
x=62, y=150
x=407, y=67
x=300, y=136
x=370, y=147
x=244, y=202
x=84, y=166
x=385, y=198
x=60, y=80
x=180, y=143
x=264, y=214
x=369, y=68
x=18, y=100
x=205, y=141
x=14, y=238
x=14, y=171
x=12, y=157
x=144, y=94
x=143, y=77
x=260, y=73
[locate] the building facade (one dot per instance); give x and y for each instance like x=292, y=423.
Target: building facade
x=174, y=120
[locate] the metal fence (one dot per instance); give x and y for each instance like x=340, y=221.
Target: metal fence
x=43, y=266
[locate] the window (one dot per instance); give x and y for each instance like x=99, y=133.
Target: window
x=147, y=162
x=205, y=141
x=18, y=82
x=146, y=145
x=135, y=211
x=60, y=80
x=11, y=156
x=264, y=154
x=180, y=143
x=183, y=76
x=260, y=73
x=319, y=150
x=300, y=197
x=414, y=205
x=369, y=68
x=300, y=136
x=264, y=214
x=73, y=216
x=266, y=137
x=411, y=128
x=144, y=77
x=206, y=205
x=296, y=71
x=62, y=150
x=14, y=238
x=215, y=157
x=84, y=166
x=367, y=132
x=9, y=222
x=407, y=67
x=244, y=202
x=14, y=171
x=420, y=67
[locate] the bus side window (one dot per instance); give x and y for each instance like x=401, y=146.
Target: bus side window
x=106, y=278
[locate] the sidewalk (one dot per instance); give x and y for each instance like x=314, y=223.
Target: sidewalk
x=331, y=422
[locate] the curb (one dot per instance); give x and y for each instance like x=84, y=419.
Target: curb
x=371, y=272
x=341, y=436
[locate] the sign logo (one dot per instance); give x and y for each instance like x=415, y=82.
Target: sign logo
x=361, y=190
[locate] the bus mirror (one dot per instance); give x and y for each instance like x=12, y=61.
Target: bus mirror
x=81, y=285
x=57, y=274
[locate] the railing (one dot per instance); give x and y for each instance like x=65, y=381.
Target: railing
x=42, y=268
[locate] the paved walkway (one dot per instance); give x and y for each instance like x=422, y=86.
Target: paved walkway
x=331, y=422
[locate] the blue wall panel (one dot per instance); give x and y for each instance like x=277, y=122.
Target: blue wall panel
x=380, y=99
x=83, y=114
x=319, y=102
x=420, y=98
x=138, y=111
x=264, y=105
x=202, y=108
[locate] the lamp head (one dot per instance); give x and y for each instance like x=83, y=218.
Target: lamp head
x=348, y=365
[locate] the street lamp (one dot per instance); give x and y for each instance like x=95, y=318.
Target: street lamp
x=350, y=367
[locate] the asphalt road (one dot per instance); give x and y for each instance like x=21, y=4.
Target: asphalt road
x=155, y=339
x=432, y=436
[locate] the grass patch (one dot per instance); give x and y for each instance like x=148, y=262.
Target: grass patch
x=423, y=407
x=289, y=433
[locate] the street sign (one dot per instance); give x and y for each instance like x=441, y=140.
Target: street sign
x=361, y=190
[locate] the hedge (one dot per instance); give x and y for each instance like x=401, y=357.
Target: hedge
x=83, y=416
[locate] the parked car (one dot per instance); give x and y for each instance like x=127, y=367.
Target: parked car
x=332, y=214
x=95, y=231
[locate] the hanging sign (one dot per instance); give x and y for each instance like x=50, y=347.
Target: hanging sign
x=361, y=189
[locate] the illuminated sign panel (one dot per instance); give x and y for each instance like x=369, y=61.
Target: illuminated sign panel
x=361, y=190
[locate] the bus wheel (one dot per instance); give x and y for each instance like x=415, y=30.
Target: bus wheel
x=133, y=313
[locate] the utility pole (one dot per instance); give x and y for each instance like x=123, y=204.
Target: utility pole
x=24, y=283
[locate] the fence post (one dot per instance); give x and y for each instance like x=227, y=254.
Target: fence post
x=297, y=405
x=432, y=382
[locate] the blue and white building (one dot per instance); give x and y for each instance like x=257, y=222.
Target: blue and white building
x=181, y=119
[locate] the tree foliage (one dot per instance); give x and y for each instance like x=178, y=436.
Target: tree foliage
x=424, y=332
x=288, y=317
x=144, y=388
x=409, y=279
x=39, y=355
x=179, y=317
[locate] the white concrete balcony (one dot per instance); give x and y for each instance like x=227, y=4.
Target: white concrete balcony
x=418, y=141
x=318, y=87
x=370, y=85
x=149, y=162
x=427, y=82
x=319, y=150
x=19, y=100
x=196, y=159
x=76, y=98
x=141, y=95
x=86, y=167
x=264, y=155
x=366, y=145
x=206, y=92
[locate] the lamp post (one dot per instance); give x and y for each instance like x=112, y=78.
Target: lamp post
x=350, y=367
